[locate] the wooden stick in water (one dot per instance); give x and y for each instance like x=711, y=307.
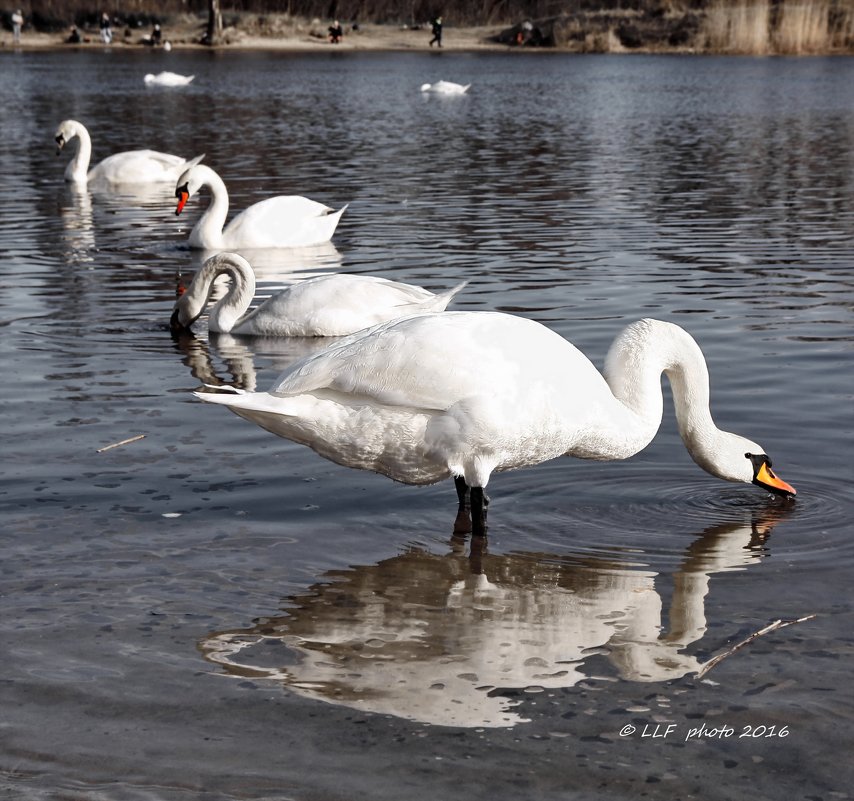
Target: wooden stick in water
x=777, y=624
x=123, y=442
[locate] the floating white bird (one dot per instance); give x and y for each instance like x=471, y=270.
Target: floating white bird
x=445, y=88
x=167, y=79
x=128, y=167
x=465, y=394
x=326, y=306
x=278, y=222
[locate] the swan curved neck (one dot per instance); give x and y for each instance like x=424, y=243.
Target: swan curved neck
x=207, y=232
x=633, y=368
x=230, y=308
x=77, y=168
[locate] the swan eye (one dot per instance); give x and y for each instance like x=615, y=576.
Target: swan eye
x=182, y=189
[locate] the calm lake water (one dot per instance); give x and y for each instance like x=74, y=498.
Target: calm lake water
x=214, y=613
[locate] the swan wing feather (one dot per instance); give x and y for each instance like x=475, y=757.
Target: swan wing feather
x=338, y=305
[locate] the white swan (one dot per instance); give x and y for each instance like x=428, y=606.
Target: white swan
x=445, y=88
x=467, y=393
x=128, y=167
x=327, y=306
x=167, y=79
x=278, y=222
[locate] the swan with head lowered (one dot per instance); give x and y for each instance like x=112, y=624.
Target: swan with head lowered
x=445, y=88
x=128, y=167
x=465, y=394
x=326, y=306
x=284, y=221
x=167, y=79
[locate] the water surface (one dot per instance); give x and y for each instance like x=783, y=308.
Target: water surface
x=211, y=612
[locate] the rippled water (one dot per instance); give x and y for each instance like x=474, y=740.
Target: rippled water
x=211, y=612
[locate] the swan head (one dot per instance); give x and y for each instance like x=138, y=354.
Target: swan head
x=65, y=132
x=188, y=184
x=735, y=458
x=188, y=308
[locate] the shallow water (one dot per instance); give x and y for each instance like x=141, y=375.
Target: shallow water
x=211, y=612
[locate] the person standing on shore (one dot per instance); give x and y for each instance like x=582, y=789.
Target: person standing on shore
x=106, y=30
x=437, y=31
x=336, y=32
x=17, y=24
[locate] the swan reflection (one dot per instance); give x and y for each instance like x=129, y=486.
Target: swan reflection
x=75, y=212
x=236, y=356
x=441, y=639
x=284, y=265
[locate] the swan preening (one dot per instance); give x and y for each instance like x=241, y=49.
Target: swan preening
x=128, y=167
x=445, y=88
x=282, y=221
x=466, y=394
x=326, y=306
x=167, y=79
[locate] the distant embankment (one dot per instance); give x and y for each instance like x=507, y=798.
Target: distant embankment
x=707, y=26
x=756, y=27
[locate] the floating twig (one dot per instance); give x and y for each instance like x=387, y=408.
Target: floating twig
x=777, y=624
x=123, y=442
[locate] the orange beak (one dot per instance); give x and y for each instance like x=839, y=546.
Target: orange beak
x=765, y=477
x=183, y=197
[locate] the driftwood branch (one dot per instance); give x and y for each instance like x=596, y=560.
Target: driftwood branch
x=777, y=624
x=123, y=442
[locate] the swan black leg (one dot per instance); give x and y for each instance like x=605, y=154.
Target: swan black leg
x=479, y=503
x=462, y=525
x=462, y=489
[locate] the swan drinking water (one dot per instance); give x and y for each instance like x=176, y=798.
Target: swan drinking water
x=128, y=167
x=445, y=88
x=167, y=79
x=326, y=306
x=465, y=394
x=278, y=222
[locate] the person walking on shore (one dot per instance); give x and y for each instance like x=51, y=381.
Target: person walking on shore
x=437, y=31
x=17, y=24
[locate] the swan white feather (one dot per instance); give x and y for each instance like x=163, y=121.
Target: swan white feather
x=167, y=79
x=325, y=306
x=281, y=221
x=469, y=393
x=127, y=167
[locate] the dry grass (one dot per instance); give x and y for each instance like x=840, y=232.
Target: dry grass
x=783, y=27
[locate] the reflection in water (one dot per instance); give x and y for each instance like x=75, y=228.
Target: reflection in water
x=238, y=355
x=441, y=639
x=78, y=230
x=284, y=264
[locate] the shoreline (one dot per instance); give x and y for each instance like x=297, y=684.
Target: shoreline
x=298, y=37
x=288, y=34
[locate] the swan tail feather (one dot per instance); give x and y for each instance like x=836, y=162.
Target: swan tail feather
x=193, y=162
x=440, y=301
x=248, y=402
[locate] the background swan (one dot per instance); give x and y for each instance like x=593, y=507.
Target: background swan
x=467, y=393
x=445, y=88
x=327, y=306
x=128, y=167
x=167, y=79
x=281, y=221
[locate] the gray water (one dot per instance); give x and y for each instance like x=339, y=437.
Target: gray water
x=210, y=612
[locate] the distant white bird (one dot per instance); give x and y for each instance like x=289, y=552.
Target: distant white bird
x=167, y=79
x=128, y=167
x=466, y=394
x=284, y=221
x=326, y=306
x=445, y=88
